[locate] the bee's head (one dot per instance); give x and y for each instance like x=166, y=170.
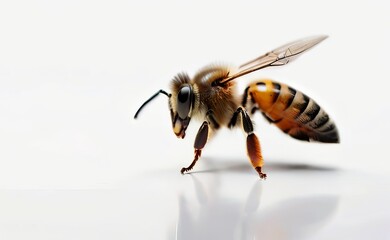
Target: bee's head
x=181, y=103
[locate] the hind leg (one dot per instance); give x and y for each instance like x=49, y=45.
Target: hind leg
x=252, y=142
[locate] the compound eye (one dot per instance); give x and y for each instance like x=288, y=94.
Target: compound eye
x=184, y=101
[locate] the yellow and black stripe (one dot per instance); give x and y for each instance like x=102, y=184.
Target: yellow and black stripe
x=292, y=111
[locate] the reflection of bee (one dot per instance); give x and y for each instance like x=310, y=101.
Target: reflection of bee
x=210, y=96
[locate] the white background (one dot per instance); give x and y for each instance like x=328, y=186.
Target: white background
x=73, y=73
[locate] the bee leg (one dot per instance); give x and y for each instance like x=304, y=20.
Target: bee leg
x=245, y=97
x=254, y=153
x=248, y=95
x=252, y=142
x=200, y=142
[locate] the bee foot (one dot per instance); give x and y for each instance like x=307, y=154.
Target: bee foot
x=261, y=174
x=184, y=170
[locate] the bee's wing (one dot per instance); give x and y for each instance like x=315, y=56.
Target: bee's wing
x=277, y=57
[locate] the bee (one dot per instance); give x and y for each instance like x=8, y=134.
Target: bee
x=210, y=96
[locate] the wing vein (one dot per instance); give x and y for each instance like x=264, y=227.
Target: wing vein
x=278, y=57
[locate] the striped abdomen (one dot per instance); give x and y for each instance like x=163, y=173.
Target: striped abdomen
x=292, y=111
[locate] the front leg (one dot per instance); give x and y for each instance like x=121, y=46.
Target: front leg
x=200, y=142
x=252, y=142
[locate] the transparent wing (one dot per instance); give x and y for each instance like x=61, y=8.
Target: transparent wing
x=277, y=57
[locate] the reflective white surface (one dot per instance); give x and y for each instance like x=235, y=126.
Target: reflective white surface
x=226, y=201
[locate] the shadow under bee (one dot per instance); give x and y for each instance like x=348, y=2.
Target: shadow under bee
x=241, y=166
